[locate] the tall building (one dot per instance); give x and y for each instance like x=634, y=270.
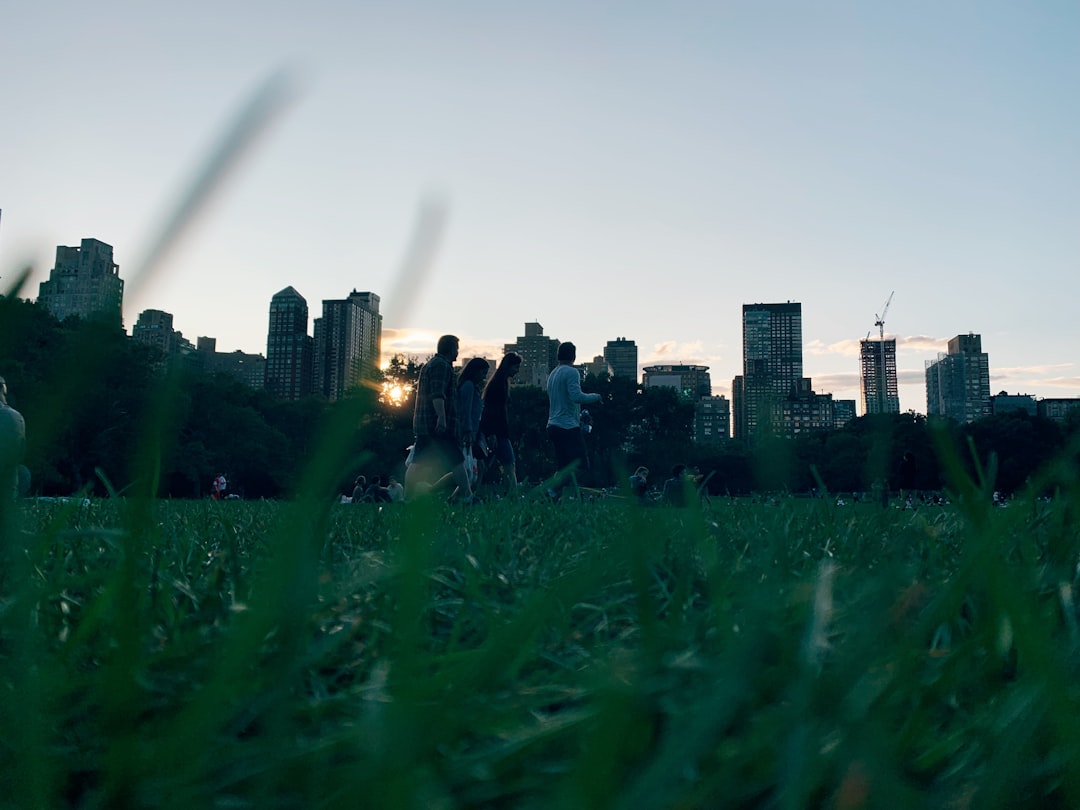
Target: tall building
x=85, y=282
x=622, y=358
x=692, y=382
x=290, y=350
x=712, y=420
x=539, y=355
x=155, y=328
x=772, y=365
x=958, y=383
x=877, y=381
x=803, y=411
x=348, y=342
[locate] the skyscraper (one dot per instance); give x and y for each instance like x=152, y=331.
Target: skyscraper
x=290, y=351
x=348, y=342
x=622, y=358
x=958, y=383
x=155, y=328
x=539, y=355
x=772, y=364
x=877, y=382
x=85, y=282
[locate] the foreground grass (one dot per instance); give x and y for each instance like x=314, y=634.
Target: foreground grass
x=181, y=654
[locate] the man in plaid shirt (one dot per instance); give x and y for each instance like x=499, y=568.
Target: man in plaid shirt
x=437, y=453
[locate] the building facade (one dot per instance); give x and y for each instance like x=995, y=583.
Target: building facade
x=1057, y=408
x=622, y=358
x=772, y=365
x=844, y=411
x=539, y=355
x=290, y=350
x=348, y=342
x=712, y=420
x=958, y=383
x=803, y=411
x=155, y=328
x=85, y=282
x=877, y=378
x=691, y=382
x=1003, y=403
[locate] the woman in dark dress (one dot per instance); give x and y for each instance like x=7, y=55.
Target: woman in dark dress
x=495, y=419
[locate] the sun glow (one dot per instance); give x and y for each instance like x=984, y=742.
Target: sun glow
x=395, y=393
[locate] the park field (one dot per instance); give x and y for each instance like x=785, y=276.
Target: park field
x=303, y=654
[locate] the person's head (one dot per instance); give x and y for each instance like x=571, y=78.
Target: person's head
x=448, y=347
x=510, y=364
x=567, y=353
x=360, y=481
x=642, y=471
x=677, y=470
x=475, y=371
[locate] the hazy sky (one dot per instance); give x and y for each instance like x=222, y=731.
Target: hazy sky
x=607, y=169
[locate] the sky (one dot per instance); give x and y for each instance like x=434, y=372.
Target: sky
x=628, y=169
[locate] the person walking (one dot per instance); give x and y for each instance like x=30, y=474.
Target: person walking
x=437, y=450
x=12, y=443
x=470, y=385
x=495, y=418
x=565, y=399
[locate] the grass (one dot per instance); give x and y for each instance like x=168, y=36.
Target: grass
x=180, y=654
x=306, y=654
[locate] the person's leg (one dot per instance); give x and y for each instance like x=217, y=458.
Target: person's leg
x=569, y=446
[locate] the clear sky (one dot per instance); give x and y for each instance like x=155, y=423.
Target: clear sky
x=619, y=169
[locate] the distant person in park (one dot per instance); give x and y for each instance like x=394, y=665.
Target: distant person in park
x=12, y=445
x=395, y=490
x=565, y=399
x=639, y=484
x=906, y=475
x=359, y=488
x=437, y=456
x=495, y=418
x=470, y=386
x=674, y=492
x=218, y=487
x=376, y=492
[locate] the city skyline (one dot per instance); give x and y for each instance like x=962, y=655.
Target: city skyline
x=603, y=172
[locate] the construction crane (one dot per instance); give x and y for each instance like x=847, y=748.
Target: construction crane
x=882, y=382
x=879, y=320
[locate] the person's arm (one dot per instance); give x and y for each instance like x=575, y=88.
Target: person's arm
x=577, y=395
x=439, y=404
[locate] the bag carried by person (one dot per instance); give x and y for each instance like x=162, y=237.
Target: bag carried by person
x=471, y=467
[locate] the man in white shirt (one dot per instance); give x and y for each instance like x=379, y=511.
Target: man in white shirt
x=565, y=399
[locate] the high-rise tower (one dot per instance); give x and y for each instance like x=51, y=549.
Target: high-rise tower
x=772, y=364
x=621, y=355
x=539, y=355
x=958, y=383
x=290, y=351
x=877, y=380
x=348, y=342
x=85, y=282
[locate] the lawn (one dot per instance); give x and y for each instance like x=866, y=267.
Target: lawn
x=525, y=654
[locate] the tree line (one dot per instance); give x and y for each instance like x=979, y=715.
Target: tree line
x=97, y=403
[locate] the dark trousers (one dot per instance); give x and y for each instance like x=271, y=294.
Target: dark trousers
x=569, y=447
